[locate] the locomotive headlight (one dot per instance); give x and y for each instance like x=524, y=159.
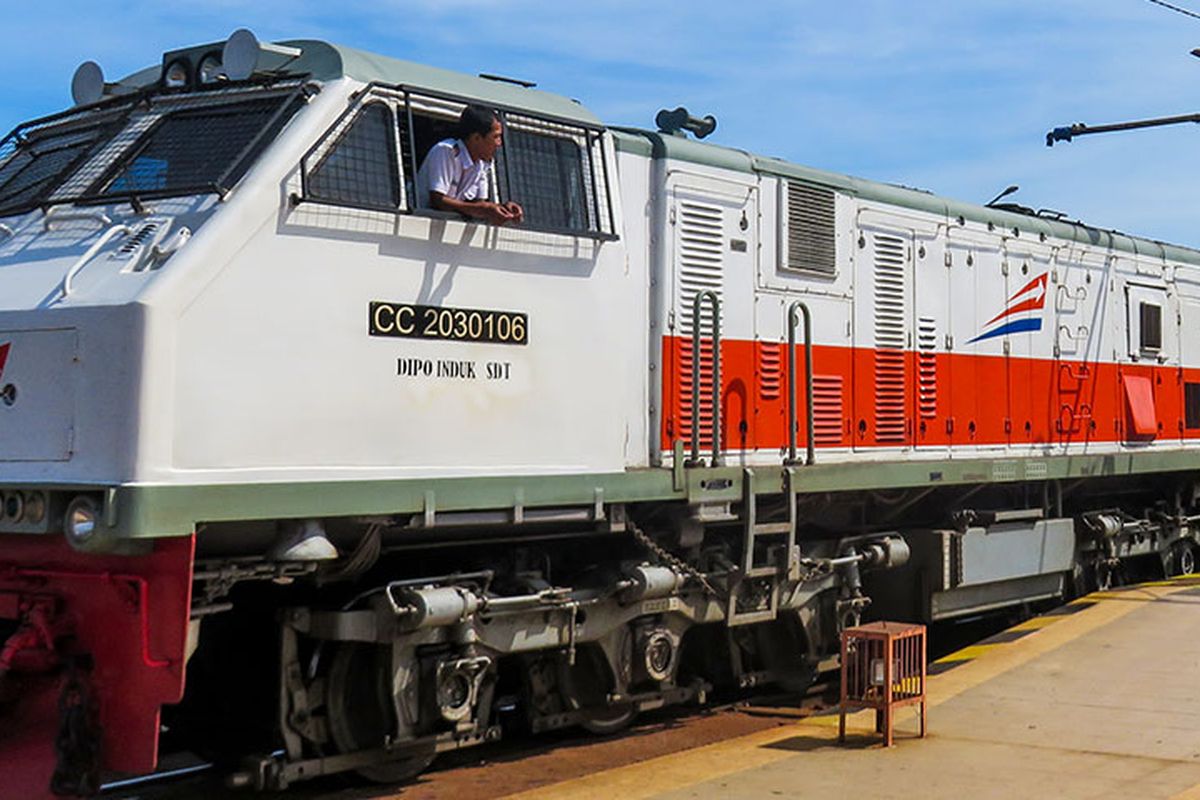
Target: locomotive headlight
x=14, y=507
x=79, y=523
x=35, y=507
x=210, y=70
x=176, y=74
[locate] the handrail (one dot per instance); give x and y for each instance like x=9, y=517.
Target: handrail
x=810, y=443
x=120, y=229
x=1081, y=332
x=697, y=304
x=64, y=214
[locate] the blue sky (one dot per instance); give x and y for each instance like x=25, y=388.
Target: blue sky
x=951, y=97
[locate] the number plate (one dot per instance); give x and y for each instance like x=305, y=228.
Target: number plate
x=409, y=321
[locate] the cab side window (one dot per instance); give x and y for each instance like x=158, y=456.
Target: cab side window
x=551, y=174
x=556, y=170
x=360, y=168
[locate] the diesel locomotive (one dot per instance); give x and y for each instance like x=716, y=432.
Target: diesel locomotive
x=301, y=474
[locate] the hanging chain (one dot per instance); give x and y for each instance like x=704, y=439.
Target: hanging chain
x=670, y=559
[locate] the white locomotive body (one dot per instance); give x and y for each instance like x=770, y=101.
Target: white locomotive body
x=571, y=467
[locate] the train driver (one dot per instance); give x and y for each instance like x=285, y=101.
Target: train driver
x=457, y=172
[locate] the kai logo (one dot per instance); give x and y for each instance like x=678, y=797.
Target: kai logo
x=1030, y=298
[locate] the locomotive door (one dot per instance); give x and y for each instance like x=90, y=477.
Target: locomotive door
x=932, y=302
x=1187, y=282
x=974, y=417
x=1080, y=291
x=713, y=235
x=1029, y=342
x=1148, y=375
x=883, y=335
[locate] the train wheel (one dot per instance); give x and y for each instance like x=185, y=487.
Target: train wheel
x=359, y=706
x=586, y=686
x=1181, y=560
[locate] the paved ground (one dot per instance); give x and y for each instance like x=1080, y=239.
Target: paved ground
x=1099, y=701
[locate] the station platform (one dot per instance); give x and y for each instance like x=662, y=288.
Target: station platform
x=1099, y=699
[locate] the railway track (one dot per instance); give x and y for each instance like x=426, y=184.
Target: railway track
x=523, y=763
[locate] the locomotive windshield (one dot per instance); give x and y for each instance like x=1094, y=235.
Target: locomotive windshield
x=35, y=163
x=141, y=147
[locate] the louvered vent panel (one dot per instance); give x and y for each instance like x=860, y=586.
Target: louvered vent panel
x=810, y=228
x=827, y=409
x=700, y=252
x=141, y=238
x=770, y=370
x=927, y=367
x=890, y=361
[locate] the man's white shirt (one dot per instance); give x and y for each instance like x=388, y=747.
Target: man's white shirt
x=450, y=170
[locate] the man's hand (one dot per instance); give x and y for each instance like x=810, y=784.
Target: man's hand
x=495, y=213
x=517, y=214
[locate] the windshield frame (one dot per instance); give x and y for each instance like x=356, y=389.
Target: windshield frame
x=99, y=163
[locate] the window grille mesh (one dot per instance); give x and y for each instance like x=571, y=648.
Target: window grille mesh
x=361, y=166
x=550, y=170
x=36, y=161
x=810, y=228
x=118, y=148
x=198, y=150
x=554, y=170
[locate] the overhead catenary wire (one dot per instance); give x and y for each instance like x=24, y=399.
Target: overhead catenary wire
x=1176, y=9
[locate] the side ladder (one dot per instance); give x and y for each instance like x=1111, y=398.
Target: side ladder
x=760, y=580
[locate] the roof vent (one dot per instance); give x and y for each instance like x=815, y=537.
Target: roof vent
x=674, y=122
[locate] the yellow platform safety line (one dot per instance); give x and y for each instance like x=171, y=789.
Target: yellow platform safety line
x=656, y=776
x=969, y=653
x=1037, y=623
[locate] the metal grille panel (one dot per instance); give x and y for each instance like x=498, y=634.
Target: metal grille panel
x=700, y=256
x=828, y=409
x=555, y=170
x=891, y=361
x=770, y=370
x=927, y=389
x=112, y=151
x=550, y=169
x=36, y=160
x=198, y=149
x=361, y=166
x=811, y=243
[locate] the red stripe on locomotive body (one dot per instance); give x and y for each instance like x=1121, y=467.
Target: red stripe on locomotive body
x=975, y=400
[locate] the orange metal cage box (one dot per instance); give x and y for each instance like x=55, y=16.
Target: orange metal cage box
x=883, y=667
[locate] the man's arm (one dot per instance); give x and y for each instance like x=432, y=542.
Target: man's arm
x=479, y=209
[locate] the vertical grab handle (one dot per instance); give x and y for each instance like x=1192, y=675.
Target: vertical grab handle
x=106, y=237
x=697, y=305
x=810, y=443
